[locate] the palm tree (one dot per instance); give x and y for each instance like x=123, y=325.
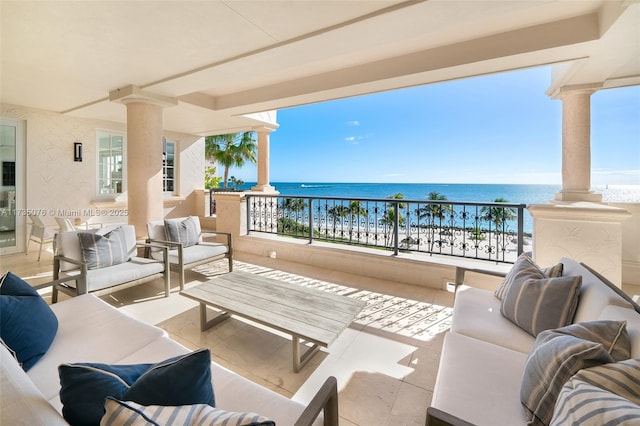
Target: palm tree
x=433, y=211
x=235, y=182
x=389, y=217
x=498, y=215
x=230, y=150
x=291, y=207
x=337, y=213
x=293, y=204
x=355, y=211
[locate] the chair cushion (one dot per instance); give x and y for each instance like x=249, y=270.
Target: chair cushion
x=133, y=414
x=183, y=230
x=195, y=253
x=136, y=268
x=27, y=323
x=101, y=249
x=536, y=305
x=559, y=354
x=181, y=380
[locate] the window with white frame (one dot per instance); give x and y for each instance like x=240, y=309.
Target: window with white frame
x=111, y=163
x=168, y=166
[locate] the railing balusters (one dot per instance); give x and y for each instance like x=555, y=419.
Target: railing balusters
x=487, y=231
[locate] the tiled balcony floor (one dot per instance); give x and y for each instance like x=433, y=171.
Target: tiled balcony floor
x=385, y=362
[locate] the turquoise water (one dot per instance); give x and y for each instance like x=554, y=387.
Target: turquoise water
x=513, y=193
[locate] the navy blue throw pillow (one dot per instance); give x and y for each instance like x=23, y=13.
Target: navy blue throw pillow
x=181, y=380
x=27, y=323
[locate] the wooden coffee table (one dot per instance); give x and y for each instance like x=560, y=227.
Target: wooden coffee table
x=306, y=314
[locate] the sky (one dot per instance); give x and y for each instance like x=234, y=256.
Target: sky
x=500, y=128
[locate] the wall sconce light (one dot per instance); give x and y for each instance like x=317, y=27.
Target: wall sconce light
x=77, y=151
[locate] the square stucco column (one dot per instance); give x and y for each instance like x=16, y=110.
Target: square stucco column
x=231, y=213
x=587, y=232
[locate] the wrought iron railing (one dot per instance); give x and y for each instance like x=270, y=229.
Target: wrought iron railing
x=488, y=231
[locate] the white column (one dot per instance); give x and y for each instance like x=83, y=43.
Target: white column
x=263, y=161
x=576, y=147
x=144, y=165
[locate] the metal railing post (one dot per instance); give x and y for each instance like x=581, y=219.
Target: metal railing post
x=249, y=224
x=396, y=227
x=520, y=229
x=310, y=220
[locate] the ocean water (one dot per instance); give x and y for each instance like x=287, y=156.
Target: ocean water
x=513, y=193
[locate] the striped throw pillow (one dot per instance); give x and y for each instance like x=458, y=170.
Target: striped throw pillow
x=184, y=231
x=559, y=354
x=523, y=269
x=536, y=305
x=102, y=250
x=133, y=414
x=606, y=394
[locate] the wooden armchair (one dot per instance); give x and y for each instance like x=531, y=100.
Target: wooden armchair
x=187, y=249
x=100, y=266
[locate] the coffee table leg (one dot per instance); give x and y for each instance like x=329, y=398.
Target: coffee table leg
x=299, y=360
x=206, y=324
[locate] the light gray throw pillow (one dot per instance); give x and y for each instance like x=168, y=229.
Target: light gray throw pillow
x=184, y=231
x=102, y=250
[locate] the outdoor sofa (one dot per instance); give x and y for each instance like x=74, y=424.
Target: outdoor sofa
x=49, y=341
x=491, y=368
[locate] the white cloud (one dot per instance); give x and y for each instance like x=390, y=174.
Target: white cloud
x=353, y=123
x=350, y=138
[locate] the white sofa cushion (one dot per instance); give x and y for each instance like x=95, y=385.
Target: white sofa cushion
x=476, y=313
x=479, y=382
x=594, y=294
x=21, y=401
x=89, y=331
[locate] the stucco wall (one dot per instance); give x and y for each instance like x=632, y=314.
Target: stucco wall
x=61, y=187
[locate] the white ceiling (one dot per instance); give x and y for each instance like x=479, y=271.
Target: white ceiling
x=220, y=60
